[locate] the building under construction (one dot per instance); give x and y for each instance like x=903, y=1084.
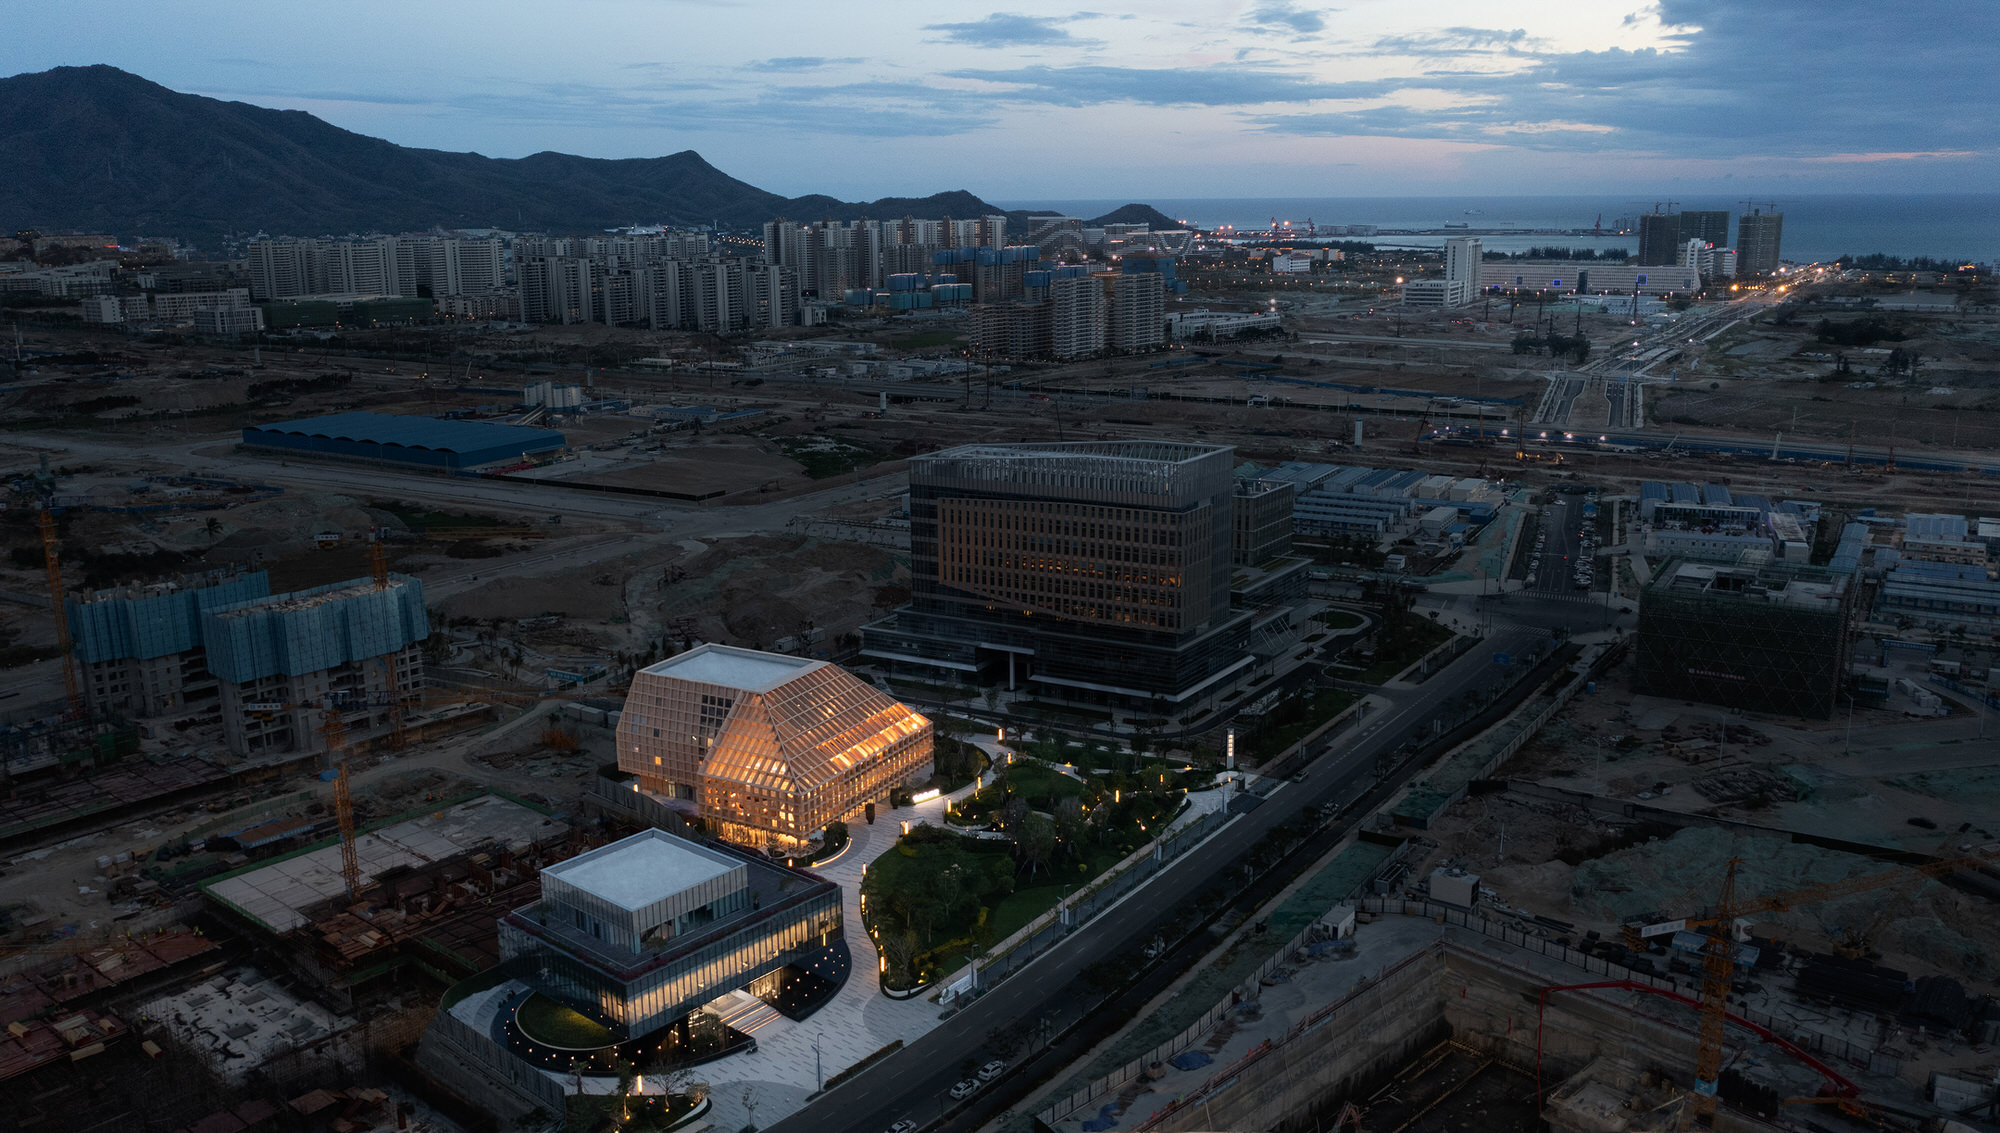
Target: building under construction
x=216, y=648
x=431, y=886
x=1768, y=638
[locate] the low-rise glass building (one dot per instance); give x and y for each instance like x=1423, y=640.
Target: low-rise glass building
x=640, y=933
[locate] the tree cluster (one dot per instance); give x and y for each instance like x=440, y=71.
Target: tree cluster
x=1879, y=261
x=1860, y=332
x=1557, y=344
x=1552, y=252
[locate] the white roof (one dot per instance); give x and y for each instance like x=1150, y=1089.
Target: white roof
x=635, y=872
x=726, y=665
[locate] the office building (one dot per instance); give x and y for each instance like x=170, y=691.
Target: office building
x=1770, y=638
x=643, y=932
x=1588, y=278
x=1096, y=570
x=768, y=748
x=1463, y=259
x=1757, y=240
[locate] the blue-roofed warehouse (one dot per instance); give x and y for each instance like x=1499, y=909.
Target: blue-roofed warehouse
x=427, y=442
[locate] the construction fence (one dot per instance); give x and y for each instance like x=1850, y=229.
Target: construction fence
x=1830, y=1047
x=1245, y=989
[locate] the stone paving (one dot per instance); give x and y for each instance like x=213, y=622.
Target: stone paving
x=774, y=1081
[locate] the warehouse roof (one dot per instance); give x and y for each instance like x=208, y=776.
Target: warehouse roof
x=417, y=432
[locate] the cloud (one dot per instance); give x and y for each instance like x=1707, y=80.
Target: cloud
x=1839, y=77
x=1287, y=15
x=1870, y=158
x=1008, y=29
x=1454, y=41
x=1222, y=85
x=793, y=63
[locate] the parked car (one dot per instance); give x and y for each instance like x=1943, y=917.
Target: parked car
x=965, y=1089
x=992, y=1070
x=904, y=1126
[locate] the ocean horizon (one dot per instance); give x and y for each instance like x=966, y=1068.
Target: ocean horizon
x=1816, y=227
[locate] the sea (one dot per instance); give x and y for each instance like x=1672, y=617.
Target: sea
x=1949, y=226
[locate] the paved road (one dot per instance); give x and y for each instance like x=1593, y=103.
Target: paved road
x=915, y=1082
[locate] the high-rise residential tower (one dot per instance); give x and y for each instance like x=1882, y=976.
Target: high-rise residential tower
x=1757, y=234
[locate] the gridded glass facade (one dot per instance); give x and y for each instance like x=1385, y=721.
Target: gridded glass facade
x=779, y=917
x=1084, y=562
x=1102, y=568
x=802, y=745
x=1769, y=639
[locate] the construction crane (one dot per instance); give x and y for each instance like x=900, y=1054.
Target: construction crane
x=1719, y=947
x=335, y=731
x=72, y=688
x=378, y=571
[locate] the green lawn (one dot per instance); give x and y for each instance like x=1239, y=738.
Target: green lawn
x=1340, y=619
x=1294, y=720
x=552, y=1024
x=1398, y=650
x=825, y=456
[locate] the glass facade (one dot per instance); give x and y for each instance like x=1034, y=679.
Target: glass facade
x=1102, y=567
x=804, y=746
x=785, y=918
x=1769, y=639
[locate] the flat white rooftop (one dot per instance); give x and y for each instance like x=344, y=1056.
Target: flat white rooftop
x=635, y=872
x=731, y=667
x=279, y=893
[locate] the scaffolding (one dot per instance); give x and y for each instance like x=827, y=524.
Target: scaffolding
x=1766, y=638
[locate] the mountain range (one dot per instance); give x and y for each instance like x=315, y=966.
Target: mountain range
x=97, y=149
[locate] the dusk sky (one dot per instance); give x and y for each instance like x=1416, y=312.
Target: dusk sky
x=1168, y=99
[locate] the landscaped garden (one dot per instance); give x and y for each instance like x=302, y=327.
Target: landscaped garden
x=941, y=896
x=555, y=1025
x=1291, y=719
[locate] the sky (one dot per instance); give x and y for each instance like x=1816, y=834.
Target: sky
x=1153, y=100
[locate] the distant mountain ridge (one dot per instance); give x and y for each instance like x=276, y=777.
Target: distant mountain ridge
x=98, y=149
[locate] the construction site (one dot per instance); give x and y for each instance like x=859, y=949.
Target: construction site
x=169, y=884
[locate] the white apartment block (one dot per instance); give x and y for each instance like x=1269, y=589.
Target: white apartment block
x=382, y=265
x=1077, y=316
x=1135, y=311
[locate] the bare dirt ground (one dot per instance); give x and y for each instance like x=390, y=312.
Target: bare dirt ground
x=1563, y=861
x=709, y=466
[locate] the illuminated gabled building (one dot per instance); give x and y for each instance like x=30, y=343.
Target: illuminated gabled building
x=765, y=746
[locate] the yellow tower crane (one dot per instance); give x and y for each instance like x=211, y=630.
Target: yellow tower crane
x=1718, y=954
